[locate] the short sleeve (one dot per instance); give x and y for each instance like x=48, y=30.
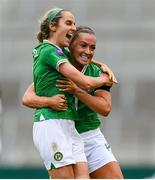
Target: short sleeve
x=55, y=56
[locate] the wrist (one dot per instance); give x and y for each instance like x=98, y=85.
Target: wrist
x=78, y=91
x=47, y=101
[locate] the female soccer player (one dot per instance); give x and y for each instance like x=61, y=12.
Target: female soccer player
x=101, y=161
x=54, y=132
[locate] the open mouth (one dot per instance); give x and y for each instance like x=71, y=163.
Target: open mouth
x=69, y=36
x=84, y=59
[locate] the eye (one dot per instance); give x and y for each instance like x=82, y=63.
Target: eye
x=93, y=48
x=83, y=45
x=68, y=23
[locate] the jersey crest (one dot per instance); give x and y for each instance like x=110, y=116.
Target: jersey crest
x=58, y=156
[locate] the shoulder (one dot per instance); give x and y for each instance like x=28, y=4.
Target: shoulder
x=41, y=49
x=93, y=70
x=51, y=50
x=94, y=67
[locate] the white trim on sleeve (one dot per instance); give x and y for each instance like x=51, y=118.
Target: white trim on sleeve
x=62, y=61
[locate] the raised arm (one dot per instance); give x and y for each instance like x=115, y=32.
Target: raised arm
x=30, y=99
x=84, y=82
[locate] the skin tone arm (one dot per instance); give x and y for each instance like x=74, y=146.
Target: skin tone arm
x=105, y=69
x=102, y=98
x=30, y=99
x=84, y=82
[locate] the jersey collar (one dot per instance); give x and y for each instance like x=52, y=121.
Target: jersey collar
x=84, y=68
x=47, y=41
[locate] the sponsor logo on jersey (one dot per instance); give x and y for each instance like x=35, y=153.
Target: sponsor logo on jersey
x=59, y=51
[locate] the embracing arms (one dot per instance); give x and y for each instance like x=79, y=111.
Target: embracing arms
x=58, y=102
x=30, y=99
x=100, y=102
x=84, y=82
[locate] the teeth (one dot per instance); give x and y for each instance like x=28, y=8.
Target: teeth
x=84, y=57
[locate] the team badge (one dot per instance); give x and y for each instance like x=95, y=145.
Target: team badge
x=58, y=156
x=59, y=51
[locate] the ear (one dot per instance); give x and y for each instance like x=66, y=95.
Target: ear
x=52, y=27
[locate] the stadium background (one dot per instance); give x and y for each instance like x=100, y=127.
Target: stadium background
x=125, y=31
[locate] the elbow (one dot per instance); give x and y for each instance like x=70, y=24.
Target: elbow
x=106, y=110
x=106, y=113
x=25, y=101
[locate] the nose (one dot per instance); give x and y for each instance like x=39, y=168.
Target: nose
x=73, y=27
x=88, y=51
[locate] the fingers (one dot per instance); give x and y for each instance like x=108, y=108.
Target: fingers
x=60, y=106
x=62, y=96
x=111, y=75
x=61, y=85
x=64, y=81
x=63, y=106
x=113, y=78
x=64, y=87
x=63, y=101
x=109, y=72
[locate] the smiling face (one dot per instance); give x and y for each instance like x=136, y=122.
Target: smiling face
x=82, y=49
x=62, y=32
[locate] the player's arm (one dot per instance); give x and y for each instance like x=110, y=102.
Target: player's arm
x=30, y=99
x=100, y=102
x=105, y=69
x=84, y=82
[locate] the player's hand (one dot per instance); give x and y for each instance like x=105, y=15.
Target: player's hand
x=108, y=71
x=107, y=80
x=58, y=102
x=67, y=86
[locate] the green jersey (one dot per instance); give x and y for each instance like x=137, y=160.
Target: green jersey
x=47, y=58
x=87, y=118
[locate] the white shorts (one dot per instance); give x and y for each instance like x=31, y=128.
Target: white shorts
x=97, y=150
x=58, y=143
